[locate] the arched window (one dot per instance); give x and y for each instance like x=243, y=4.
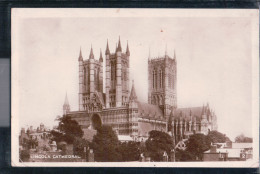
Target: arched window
x=172, y=81
x=161, y=78
x=84, y=76
x=154, y=79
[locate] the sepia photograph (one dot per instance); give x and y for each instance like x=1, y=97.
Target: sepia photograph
x=135, y=87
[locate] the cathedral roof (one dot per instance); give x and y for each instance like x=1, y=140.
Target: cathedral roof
x=145, y=128
x=189, y=113
x=150, y=111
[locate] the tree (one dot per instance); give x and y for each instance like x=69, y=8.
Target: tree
x=217, y=137
x=67, y=130
x=106, y=145
x=157, y=143
x=130, y=151
x=183, y=155
x=24, y=155
x=197, y=144
x=78, y=146
x=242, y=139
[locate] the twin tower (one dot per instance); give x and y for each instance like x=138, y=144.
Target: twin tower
x=116, y=76
x=161, y=80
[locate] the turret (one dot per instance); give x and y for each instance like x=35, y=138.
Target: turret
x=108, y=72
x=118, y=75
x=127, y=69
x=100, y=78
x=91, y=67
x=81, y=85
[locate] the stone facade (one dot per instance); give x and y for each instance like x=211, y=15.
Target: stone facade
x=119, y=107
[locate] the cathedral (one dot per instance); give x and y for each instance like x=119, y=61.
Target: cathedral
x=118, y=106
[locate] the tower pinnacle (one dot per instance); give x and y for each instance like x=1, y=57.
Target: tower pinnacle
x=80, y=55
x=91, y=55
x=127, y=50
x=107, y=49
x=100, y=57
x=119, y=48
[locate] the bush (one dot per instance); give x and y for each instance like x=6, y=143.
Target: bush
x=106, y=145
x=24, y=155
x=78, y=146
x=130, y=151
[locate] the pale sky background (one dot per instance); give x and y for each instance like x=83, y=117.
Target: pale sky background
x=213, y=62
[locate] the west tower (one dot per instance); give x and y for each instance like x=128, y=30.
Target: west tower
x=117, y=76
x=162, y=82
x=90, y=80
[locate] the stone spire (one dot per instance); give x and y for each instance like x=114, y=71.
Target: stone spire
x=91, y=55
x=119, y=48
x=133, y=94
x=66, y=105
x=80, y=55
x=127, y=50
x=107, y=49
x=100, y=57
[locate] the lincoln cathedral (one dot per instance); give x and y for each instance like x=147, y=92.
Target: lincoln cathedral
x=118, y=105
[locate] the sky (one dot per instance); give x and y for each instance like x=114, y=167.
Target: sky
x=214, y=62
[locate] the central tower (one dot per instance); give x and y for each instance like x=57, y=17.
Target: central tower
x=117, y=76
x=162, y=80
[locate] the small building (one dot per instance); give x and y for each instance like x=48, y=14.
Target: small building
x=229, y=152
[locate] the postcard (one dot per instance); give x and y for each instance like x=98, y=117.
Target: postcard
x=135, y=87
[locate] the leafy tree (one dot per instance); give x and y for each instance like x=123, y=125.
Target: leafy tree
x=130, y=151
x=217, y=137
x=157, y=143
x=197, y=144
x=24, y=155
x=78, y=146
x=243, y=139
x=106, y=145
x=68, y=130
x=183, y=155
